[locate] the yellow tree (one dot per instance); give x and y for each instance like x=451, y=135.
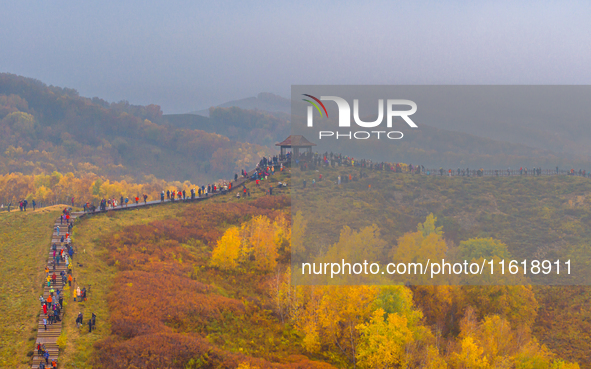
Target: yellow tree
x=383, y=341
x=414, y=247
x=517, y=304
x=258, y=235
x=331, y=317
x=353, y=247
x=297, y=234
x=282, y=234
x=425, y=244
x=471, y=356
x=226, y=253
x=356, y=246
x=429, y=226
x=434, y=360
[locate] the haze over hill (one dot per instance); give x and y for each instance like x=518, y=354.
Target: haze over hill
x=47, y=128
x=564, y=136
x=254, y=126
x=263, y=101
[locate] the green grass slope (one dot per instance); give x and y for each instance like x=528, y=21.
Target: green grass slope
x=24, y=242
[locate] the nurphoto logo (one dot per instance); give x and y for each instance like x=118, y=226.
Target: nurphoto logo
x=345, y=117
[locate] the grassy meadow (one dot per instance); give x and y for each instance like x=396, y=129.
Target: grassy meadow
x=25, y=239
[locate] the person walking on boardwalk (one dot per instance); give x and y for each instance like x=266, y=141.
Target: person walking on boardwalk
x=145, y=199
x=45, y=323
x=57, y=229
x=44, y=309
x=126, y=201
x=162, y=197
x=137, y=200
x=34, y=204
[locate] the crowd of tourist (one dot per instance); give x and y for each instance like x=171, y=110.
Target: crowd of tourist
x=312, y=161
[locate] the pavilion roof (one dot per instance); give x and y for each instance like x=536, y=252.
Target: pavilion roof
x=296, y=141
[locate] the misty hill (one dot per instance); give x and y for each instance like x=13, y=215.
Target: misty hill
x=563, y=138
x=253, y=126
x=436, y=147
x=264, y=101
x=47, y=128
x=430, y=146
x=549, y=117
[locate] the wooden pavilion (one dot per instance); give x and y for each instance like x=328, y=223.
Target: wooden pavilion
x=296, y=143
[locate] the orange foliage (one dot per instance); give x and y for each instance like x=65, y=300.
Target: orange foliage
x=174, y=350
x=170, y=300
x=159, y=313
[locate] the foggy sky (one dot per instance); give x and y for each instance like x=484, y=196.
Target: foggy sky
x=188, y=55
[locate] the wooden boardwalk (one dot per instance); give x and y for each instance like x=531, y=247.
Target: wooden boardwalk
x=49, y=337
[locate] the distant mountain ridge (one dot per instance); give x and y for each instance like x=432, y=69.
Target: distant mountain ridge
x=569, y=137
x=253, y=126
x=46, y=128
x=263, y=101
